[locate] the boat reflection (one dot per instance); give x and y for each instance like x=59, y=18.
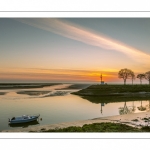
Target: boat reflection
x=24, y=125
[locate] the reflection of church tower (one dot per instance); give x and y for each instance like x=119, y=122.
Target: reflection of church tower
x=102, y=104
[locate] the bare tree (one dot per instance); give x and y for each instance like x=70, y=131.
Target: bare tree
x=132, y=76
x=147, y=76
x=141, y=76
x=125, y=74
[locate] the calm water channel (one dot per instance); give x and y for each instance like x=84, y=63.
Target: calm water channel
x=57, y=109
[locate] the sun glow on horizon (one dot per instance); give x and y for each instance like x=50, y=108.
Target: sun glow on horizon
x=53, y=74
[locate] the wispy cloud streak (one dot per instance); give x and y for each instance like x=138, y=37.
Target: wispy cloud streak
x=74, y=32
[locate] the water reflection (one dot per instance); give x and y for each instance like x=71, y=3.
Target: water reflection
x=117, y=100
x=141, y=108
x=148, y=106
x=127, y=109
x=102, y=105
x=132, y=109
x=24, y=125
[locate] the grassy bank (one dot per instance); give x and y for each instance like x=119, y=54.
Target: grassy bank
x=100, y=127
x=115, y=93
x=104, y=90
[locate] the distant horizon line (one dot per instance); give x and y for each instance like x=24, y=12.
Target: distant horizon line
x=69, y=83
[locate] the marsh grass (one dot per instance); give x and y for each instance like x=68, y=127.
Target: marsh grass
x=33, y=93
x=136, y=120
x=145, y=129
x=99, y=127
x=113, y=89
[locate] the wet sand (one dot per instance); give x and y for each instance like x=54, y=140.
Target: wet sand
x=135, y=120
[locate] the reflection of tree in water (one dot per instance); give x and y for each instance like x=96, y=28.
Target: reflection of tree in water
x=131, y=109
x=127, y=109
x=148, y=106
x=141, y=108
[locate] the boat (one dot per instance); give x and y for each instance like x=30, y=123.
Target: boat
x=23, y=125
x=23, y=119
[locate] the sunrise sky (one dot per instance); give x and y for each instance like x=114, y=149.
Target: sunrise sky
x=72, y=49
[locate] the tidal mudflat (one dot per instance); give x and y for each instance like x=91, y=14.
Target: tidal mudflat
x=56, y=105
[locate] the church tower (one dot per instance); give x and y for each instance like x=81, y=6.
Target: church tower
x=101, y=81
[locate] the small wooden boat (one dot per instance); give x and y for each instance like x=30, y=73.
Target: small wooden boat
x=23, y=119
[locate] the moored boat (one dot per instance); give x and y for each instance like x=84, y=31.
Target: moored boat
x=23, y=119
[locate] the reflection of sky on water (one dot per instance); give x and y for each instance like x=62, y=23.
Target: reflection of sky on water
x=57, y=109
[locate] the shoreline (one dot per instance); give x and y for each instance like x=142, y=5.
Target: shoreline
x=128, y=119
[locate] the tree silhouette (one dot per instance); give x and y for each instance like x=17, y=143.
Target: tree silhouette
x=125, y=74
x=132, y=76
x=141, y=76
x=147, y=76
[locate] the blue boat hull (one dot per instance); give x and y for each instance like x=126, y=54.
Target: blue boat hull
x=23, y=120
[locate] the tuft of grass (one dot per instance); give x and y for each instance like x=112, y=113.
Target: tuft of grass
x=144, y=118
x=145, y=129
x=135, y=120
x=43, y=129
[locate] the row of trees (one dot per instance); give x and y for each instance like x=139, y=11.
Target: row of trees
x=129, y=74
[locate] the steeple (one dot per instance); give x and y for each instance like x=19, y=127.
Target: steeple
x=101, y=77
x=101, y=81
